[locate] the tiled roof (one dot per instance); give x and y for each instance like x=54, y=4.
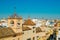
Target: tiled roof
x=58, y=21
x=2, y=21
x=38, y=29
x=7, y=32
x=26, y=28
x=29, y=22
x=55, y=25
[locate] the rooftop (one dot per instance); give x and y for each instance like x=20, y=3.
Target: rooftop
x=15, y=16
x=29, y=22
x=38, y=29
x=7, y=32
x=26, y=28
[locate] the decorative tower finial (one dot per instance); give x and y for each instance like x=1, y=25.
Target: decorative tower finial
x=15, y=15
x=15, y=10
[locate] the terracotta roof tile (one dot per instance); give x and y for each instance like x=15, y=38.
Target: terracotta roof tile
x=29, y=22
x=38, y=29
x=7, y=32
x=26, y=28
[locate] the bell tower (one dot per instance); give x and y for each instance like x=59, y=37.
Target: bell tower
x=15, y=22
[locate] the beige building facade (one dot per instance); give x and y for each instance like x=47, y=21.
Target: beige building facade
x=21, y=31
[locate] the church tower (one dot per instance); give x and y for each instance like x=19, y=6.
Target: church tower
x=15, y=22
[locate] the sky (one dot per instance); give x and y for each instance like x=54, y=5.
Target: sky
x=49, y=9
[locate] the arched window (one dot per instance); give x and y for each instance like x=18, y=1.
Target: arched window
x=12, y=22
x=18, y=23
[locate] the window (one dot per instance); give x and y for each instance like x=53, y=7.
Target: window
x=33, y=38
x=18, y=23
x=58, y=38
x=59, y=29
x=33, y=31
x=33, y=27
x=23, y=32
x=14, y=35
x=12, y=22
x=37, y=36
x=29, y=39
